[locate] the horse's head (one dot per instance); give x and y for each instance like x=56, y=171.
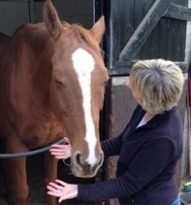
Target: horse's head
x=77, y=87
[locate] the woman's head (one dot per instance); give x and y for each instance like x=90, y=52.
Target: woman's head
x=156, y=84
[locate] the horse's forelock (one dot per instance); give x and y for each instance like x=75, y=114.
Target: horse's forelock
x=81, y=33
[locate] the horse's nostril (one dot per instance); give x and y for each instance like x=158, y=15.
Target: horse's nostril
x=101, y=159
x=78, y=159
x=87, y=166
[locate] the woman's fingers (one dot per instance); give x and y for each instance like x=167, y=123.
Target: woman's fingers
x=57, y=149
x=62, y=151
x=58, y=185
x=61, y=182
x=62, y=190
x=54, y=186
x=66, y=140
x=62, y=198
x=57, y=146
x=53, y=190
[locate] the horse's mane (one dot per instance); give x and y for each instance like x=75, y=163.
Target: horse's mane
x=3, y=37
x=78, y=30
x=20, y=28
x=81, y=33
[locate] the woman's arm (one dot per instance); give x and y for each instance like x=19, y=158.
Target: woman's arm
x=112, y=146
x=152, y=159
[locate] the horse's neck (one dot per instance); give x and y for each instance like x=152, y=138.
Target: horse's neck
x=40, y=50
x=27, y=63
x=35, y=51
x=36, y=40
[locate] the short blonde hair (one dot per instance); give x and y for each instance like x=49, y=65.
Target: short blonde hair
x=158, y=84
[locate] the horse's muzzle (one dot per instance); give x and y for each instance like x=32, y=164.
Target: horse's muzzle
x=81, y=168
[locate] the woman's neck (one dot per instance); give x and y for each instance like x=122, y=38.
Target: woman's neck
x=148, y=116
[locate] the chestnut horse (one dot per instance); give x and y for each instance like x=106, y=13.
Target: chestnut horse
x=52, y=79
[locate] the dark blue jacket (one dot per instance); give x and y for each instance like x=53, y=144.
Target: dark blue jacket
x=147, y=162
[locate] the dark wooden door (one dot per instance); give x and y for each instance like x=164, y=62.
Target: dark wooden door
x=143, y=30
x=138, y=29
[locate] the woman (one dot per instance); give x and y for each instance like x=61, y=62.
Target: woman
x=148, y=148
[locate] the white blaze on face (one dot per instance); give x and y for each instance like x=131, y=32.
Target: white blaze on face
x=84, y=64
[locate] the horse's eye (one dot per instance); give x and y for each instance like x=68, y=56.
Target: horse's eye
x=59, y=83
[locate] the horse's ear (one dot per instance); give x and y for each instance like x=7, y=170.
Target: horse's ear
x=98, y=29
x=51, y=20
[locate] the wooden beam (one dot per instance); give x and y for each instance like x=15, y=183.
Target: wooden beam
x=143, y=31
x=122, y=68
x=178, y=12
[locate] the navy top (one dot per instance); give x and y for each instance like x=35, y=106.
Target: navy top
x=147, y=162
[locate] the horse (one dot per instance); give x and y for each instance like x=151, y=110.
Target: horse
x=52, y=79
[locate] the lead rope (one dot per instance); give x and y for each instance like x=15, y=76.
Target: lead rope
x=30, y=153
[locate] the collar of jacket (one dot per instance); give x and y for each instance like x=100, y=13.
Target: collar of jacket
x=138, y=115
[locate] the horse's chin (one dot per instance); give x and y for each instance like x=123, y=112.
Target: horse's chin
x=83, y=172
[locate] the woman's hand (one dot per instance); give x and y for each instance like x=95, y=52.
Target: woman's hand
x=62, y=190
x=61, y=151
